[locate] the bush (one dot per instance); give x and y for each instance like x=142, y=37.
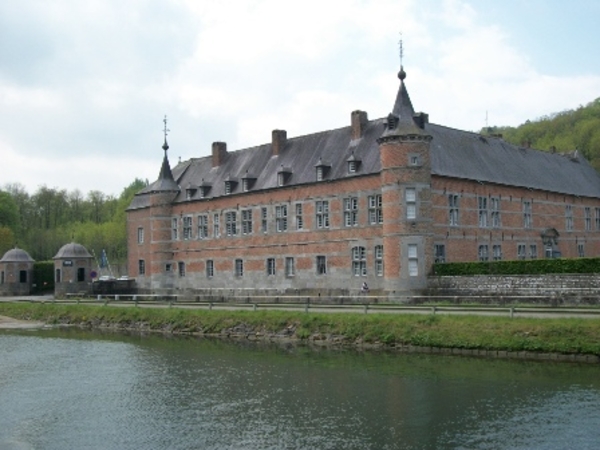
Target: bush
x=524, y=267
x=43, y=277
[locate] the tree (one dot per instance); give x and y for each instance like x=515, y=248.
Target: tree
x=9, y=211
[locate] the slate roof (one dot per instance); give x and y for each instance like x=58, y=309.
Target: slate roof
x=454, y=153
x=16, y=255
x=72, y=250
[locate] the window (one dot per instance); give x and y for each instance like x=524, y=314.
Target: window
x=351, y=211
x=533, y=251
x=230, y=223
x=321, y=265
x=580, y=250
x=216, y=226
x=210, y=268
x=181, y=266
x=203, y=227
x=410, y=195
x=246, y=221
x=22, y=276
x=270, y=266
x=263, y=220
x=57, y=276
x=280, y=178
x=453, y=209
x=413, y=160
x=168, y=267
x=597, y=219
x=299, y=218
x=413, y=260
x=497, y=252
x=588, y=218
x=521, y=251
x=527, y=222
x=352, y=166
x=483, y=211
x=281, y=214
x=320, y=173
x=495, y=211
x=174, y=229
x=375, y=211
x=569, y=217
x=439, y=253
x=289, y=267
x=81, y=274
x=246, y=182
x=228, y=187
x=2, y=277
x=140, y=235
x=141, y=267
x=359, y=261
x=379, y=260
x=322, y=208
x=239, y=268
x=187, y=228
x=483, y=253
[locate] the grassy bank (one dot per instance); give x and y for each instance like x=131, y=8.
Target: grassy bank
x=567, y=336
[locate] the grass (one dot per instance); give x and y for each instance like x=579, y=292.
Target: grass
x=565, y=335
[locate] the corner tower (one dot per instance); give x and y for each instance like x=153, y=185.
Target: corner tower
x=404, y=149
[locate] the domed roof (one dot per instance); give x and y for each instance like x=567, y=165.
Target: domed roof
x=16, y=255
x=72, y=250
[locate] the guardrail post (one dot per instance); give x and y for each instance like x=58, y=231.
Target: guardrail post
x=77, y=301
x=366, y=308
x=433, y=310
x=106, y=301
x=210, y=305
x=116, y=297
x=254, y=307
x=512, y=312
x=99, y=298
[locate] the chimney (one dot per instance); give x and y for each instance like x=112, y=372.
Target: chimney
x=219, y=153
x=278, y=141
x=359, y=122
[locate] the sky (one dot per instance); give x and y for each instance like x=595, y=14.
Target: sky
x=85, y=85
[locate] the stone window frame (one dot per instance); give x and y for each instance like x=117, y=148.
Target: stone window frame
x=483, y=252
x=587, y=216
x=322, y=214
x=453, y=209
x=569, y=217
x=174, y=229
x=359, y=261
x=299, y=216
x=521, y=251
x=375, y=209
x=281, y=218
x=270, y=266
x=413, y=260
x=321, y=264
x=238, y=267
x=181, y=268
x=495, y=217
x=497, y=252
x=290, y=269
x=351, y=211
x=210, y=268
x=231, y=223
x=410, y=198
x=482, y=211
x=439, y=253
x=187, y=227
x=264, y=219
x=378, y=257
x=140, y=235
x=246, y=217
x=216, y=225
x=527, y=214
x=202, y=226
x=141, y=267
x=533, y=251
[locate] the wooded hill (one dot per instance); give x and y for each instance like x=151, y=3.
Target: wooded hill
x=564, y=132
x=50, y=218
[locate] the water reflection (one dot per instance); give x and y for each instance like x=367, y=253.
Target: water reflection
x=71, y=389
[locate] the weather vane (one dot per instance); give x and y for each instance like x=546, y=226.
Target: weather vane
x=166, y=131
x=401, y=49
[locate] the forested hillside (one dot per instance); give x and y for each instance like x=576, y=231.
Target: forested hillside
x=43, y=222
x=577, y=129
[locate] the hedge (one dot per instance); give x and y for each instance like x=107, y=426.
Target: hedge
x=520, y=267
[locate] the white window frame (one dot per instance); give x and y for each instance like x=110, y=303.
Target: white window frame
x=410, y=197
x=322, y=213
x=290, y=270
x=351, y=211
x=375, y=209
x=140, y=235
x=281, y=218
x=413, y=260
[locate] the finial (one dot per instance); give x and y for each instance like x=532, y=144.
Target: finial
x=402, y=73
x=166, y=131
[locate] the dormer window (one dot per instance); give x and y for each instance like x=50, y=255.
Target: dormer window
x=322, y=170
x=190, y=192
x=230, y=184
x=248, y=181
x=204, y=189
x=353, y=163
x=392, y=122
x=283, y=175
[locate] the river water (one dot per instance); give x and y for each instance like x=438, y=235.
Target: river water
x=82, y=390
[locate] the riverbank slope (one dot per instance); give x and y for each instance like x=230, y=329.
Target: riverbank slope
x=549, y=339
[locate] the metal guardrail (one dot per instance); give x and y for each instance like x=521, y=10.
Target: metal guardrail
x=364, y=307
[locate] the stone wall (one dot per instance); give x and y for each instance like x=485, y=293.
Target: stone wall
x=550, y=289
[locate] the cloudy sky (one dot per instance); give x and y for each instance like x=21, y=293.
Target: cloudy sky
x=84, y=85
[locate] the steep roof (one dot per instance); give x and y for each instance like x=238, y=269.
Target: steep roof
x=454, y=153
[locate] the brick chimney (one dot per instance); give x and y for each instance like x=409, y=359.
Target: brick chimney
x=359, y=122
x=219, y=153
x=278, y=141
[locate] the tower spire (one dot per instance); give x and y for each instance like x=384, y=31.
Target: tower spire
x=165, y=131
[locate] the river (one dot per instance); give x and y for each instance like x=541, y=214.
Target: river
x=71, y=389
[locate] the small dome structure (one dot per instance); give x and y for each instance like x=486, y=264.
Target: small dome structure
x=72, y=250
x=16, y=273
x=16, y=255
